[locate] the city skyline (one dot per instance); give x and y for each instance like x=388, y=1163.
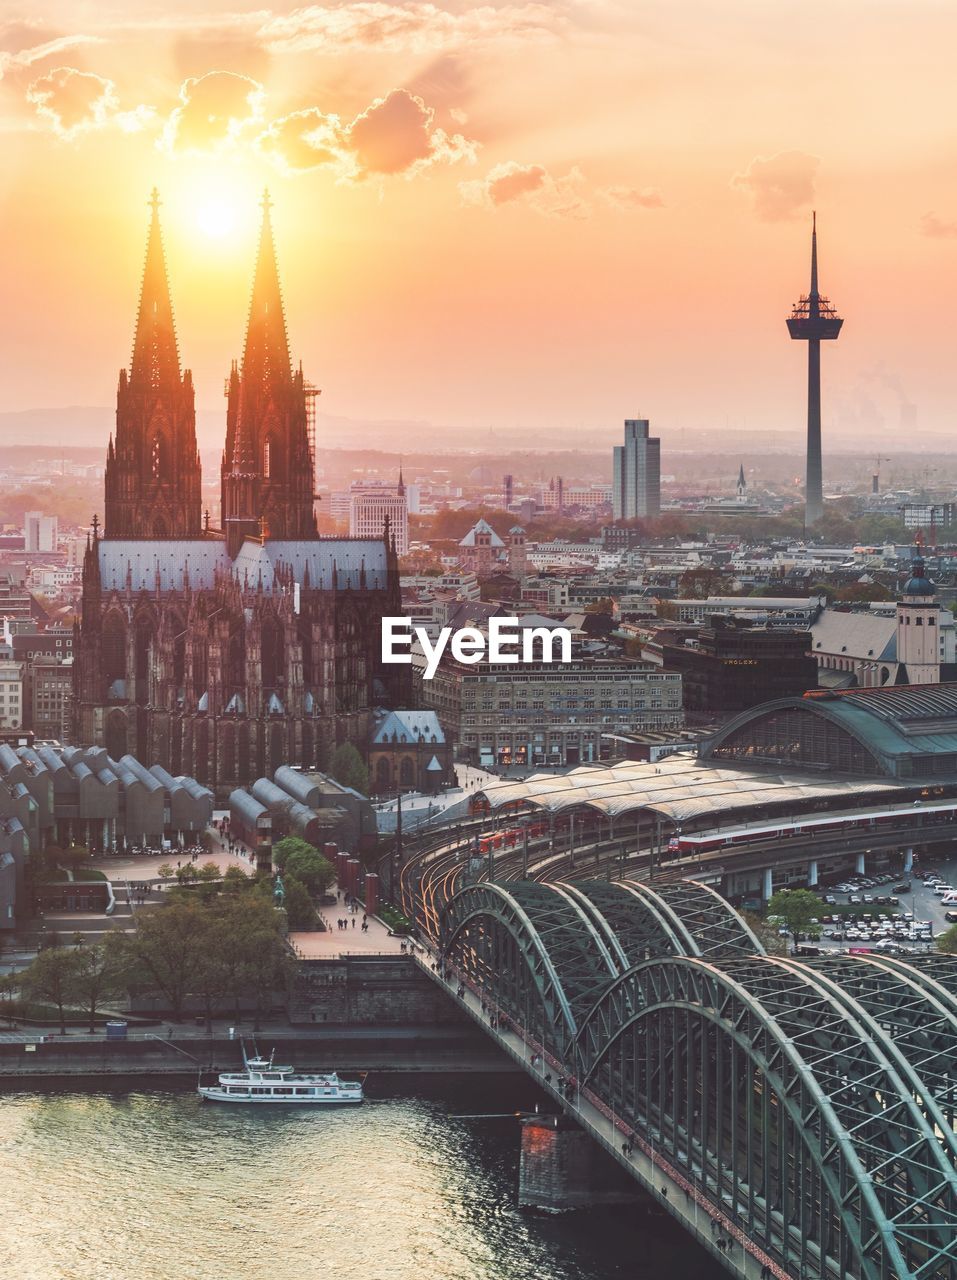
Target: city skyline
x=467, y=252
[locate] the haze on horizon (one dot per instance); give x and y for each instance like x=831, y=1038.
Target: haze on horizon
x=522, y=216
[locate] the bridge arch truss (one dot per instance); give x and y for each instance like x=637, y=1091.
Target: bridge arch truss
x=815, y=1104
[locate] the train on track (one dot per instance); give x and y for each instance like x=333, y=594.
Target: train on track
x=936, y=813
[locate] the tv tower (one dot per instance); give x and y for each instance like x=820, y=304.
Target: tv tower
x=814, y=320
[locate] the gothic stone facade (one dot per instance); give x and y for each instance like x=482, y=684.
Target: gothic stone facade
x=225, y=653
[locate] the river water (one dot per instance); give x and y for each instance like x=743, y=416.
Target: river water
x=152, y=1185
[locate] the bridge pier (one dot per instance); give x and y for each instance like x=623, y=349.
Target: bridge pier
x=767, y=891
x=908, y=860
x=561, y=1167
x=859, y=867
x=812, y=873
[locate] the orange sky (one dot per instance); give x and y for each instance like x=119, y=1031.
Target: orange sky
x=509, y=215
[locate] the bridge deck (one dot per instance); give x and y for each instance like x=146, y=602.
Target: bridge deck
x=669, y=1187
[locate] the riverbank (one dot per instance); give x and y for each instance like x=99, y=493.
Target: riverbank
x=419, y=1050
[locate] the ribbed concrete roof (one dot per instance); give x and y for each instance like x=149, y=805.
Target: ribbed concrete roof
x=679, y=788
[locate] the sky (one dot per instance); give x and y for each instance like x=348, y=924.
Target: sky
x=519, y=216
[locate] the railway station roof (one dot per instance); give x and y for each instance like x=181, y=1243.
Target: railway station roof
x=898, y=731
x=681, y=788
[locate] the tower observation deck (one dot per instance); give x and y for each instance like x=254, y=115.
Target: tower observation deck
x=814, y=320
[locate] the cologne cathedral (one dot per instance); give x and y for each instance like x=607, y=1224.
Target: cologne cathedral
x=224, y=653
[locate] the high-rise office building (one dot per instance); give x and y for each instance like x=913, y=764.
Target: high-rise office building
x=39, y=532
x=376, y=508
x=636, y=482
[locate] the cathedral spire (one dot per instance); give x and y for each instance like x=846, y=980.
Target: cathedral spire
x=267, y=462
x=152, y=464
x=266, y=353
x=155, y=354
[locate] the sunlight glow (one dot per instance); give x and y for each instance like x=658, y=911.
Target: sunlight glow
x=216, y=216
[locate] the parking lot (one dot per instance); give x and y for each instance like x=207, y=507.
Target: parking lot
x=895, y=914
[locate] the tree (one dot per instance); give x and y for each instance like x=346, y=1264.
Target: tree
x=766, y=934
x=99, y=975
x=698, y=584
x=168, y=947
x=298, y=858
x=864, y=593
x=348, y=768
x=166, y=871
x=796, y=907
x=52, y=977
x=209, y=871
x=300, y=911
x=604, y=604
x=235, y=879
x=947, y=941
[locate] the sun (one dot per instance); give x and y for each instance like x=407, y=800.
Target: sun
x=216, y=216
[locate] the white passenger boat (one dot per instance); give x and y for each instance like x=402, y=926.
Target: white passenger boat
x=263, y=1081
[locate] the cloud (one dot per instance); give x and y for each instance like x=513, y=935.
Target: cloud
x=405, y=28
x=395, y=135
x=215, y=110
x=627, y=199
x=71, y=102
x=531, y=183
x=36, y=53
x=938, y=228
x=781, y=186
x=305, y=140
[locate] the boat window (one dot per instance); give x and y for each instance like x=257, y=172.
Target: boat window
x=283, y=1091
x=261, y=1091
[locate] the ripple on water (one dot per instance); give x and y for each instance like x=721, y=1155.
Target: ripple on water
x=156, y=1186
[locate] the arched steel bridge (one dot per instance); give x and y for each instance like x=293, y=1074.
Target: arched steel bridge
x=809, y=1107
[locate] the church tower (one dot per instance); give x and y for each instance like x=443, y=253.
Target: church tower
x=267, y=473
x=153, y=468
x=918, y=619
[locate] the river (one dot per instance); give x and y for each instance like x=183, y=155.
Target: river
x=150, y=1184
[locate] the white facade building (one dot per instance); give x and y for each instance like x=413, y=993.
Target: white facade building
x=11, y=695
x=371, y=505
x=39, y=532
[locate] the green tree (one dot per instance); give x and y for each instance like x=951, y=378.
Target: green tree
x=300, y=911
x=166, y=871
x=296, y=857
x=235, y=879
x=167, y=949
x=796, y=907
x=348, y=768
x=209, y=871
x=766, y=934
x=100, y=975
x=947, y=941
x=52, y=978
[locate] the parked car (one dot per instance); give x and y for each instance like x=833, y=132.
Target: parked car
x=950, y=917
